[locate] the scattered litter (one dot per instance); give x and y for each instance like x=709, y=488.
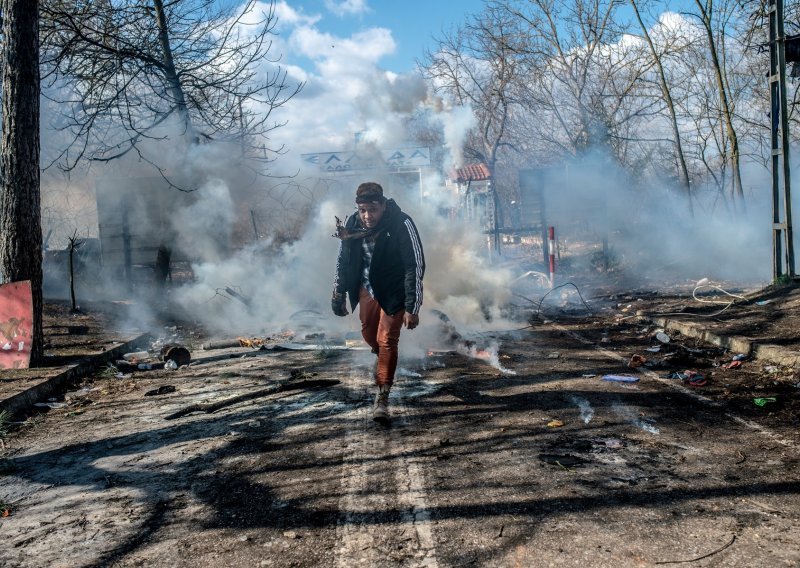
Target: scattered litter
x=291, y=534
x=165, y=389
x=553, y=355
x=303, y=347
x=50, y=404
x=763, y=401
x=695, y=379
x=83, y=391
x=637, y=361
x=733, y=365
x=677, y=375
x=588, y=376
x=655, y=349
x=663, y=337
x=177, y=353
x=770, y=368
x=613, y=444
x=620, y=379
x=136, y=355
x=555, y=424
x=763, y=302
x=145, y=366
x=740, y=357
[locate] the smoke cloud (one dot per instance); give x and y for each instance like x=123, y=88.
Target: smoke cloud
x=284, y=277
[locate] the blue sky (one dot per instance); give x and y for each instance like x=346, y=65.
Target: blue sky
x=357, y=61
x=412, y=23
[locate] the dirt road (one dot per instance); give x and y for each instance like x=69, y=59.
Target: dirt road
x=542, y=464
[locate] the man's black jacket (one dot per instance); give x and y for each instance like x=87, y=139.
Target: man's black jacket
x=397, y=266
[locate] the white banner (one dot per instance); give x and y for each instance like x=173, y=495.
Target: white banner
x=347, y=161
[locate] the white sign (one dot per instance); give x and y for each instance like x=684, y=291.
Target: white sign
x=347, y=161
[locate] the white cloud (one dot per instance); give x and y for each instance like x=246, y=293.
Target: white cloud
x=347, y=7
x=346, y=91
x=289, y=16
x=367, y=46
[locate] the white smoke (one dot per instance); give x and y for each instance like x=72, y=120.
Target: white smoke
x=279, y=281
x=204, y=227
x=457, y=122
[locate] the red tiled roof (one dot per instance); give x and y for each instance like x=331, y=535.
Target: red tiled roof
x=473, y=172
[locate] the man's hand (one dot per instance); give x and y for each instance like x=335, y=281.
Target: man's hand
x=410, y=320
x=339, y=304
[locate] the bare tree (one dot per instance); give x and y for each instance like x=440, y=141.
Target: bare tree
x=479, y=65
x=122, y=71
x=582, y=79
x=20, y=212
x=666, y=93
x=705, y=15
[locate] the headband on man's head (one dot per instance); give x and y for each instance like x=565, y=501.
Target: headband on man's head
x=370, y=192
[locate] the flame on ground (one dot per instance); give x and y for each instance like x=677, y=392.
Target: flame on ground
x=489, y=355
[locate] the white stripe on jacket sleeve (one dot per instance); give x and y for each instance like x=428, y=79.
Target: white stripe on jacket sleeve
x=416, y=245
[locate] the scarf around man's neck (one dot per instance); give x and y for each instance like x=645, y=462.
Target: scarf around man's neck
x=345, y=234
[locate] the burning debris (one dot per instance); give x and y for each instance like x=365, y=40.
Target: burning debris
x=170, y=356
x=457, y=342
x=176, y=353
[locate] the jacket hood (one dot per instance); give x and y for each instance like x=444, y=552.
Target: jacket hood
x=392, y=210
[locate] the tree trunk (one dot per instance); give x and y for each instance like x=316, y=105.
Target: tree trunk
x=20, y=209
x=727, y=113
x=72, y=244
x=178, y=96
x=665, y=91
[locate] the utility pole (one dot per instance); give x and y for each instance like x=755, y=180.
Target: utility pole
x=782, y=241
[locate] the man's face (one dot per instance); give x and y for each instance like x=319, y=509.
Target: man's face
x=371, y=213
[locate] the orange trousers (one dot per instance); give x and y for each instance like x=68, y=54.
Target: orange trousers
x=381, y=331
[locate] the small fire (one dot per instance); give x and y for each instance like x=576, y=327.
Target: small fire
x=490, y=355
x=468, y=347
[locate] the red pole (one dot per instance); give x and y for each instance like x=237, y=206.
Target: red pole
x=551, y=235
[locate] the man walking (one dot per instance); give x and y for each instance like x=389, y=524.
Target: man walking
x=380, y=268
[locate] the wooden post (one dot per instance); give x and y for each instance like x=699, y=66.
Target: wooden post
x=72, y=245
x=253, y=219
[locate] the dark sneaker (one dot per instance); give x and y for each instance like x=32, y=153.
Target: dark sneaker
x=380, y=411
